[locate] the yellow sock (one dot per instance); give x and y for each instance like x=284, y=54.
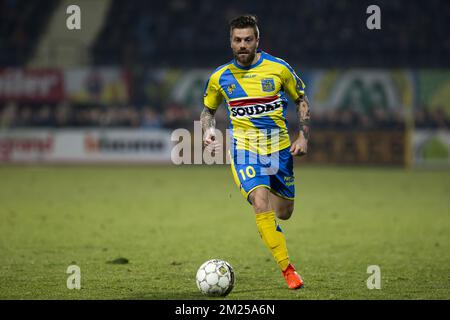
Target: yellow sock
x=273, y=237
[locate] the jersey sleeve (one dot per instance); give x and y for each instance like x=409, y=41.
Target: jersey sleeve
x=212, y=97
x=293, y=85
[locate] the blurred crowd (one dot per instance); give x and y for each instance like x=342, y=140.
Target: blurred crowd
x=325, y=33
x=194, y=34
x=173, y=115
x=184, y=33
x=67, y=115
x=21, y=24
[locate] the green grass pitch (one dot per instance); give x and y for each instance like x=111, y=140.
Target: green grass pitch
x=168, y=220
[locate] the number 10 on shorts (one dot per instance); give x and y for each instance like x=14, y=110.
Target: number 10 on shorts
x=249, y=173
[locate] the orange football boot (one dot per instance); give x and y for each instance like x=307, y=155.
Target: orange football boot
x=293, y=279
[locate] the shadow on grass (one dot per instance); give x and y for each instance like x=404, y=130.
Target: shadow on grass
x=188, y=295
x=161, y=295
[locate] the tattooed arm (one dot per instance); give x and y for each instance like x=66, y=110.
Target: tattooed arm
x=208, y=125
x=207, y=119
x=300, y=146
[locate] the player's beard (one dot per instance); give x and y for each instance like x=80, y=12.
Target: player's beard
x=247, y=59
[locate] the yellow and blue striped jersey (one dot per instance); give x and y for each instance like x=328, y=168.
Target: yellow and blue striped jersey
x=256, y=101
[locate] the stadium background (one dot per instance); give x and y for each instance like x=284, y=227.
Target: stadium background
x=112, y=92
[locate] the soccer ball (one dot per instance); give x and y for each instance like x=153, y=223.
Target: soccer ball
x=215, y=278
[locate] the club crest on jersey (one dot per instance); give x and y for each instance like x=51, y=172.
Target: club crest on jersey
x=268, y=85
x=231, y=88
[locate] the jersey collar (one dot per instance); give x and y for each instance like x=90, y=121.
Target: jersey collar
x=257, y=63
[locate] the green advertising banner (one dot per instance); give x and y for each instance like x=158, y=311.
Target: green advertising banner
x=434, y=90
x=362, y=90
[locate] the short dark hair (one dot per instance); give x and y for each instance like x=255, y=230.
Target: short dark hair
x=245, y=21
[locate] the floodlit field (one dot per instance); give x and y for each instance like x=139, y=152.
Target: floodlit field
x=168, y=220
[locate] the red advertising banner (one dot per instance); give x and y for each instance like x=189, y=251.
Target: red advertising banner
x=28, y=85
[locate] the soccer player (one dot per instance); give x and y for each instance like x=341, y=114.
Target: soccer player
x=254, y=85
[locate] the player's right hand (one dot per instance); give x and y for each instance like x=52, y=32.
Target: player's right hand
x=210, y=141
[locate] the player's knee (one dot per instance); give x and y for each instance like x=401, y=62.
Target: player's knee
x=260, y=205
x=285, y=212
x=260, y=202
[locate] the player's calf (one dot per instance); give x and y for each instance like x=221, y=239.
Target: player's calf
x=285, y=212
x=283, y=207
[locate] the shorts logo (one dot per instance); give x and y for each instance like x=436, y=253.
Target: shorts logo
x=289, y=181
x=231, y=88
x=268, y=85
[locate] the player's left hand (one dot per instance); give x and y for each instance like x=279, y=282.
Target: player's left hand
x=299, y=147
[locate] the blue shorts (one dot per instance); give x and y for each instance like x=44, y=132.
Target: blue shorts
x=274, y=171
